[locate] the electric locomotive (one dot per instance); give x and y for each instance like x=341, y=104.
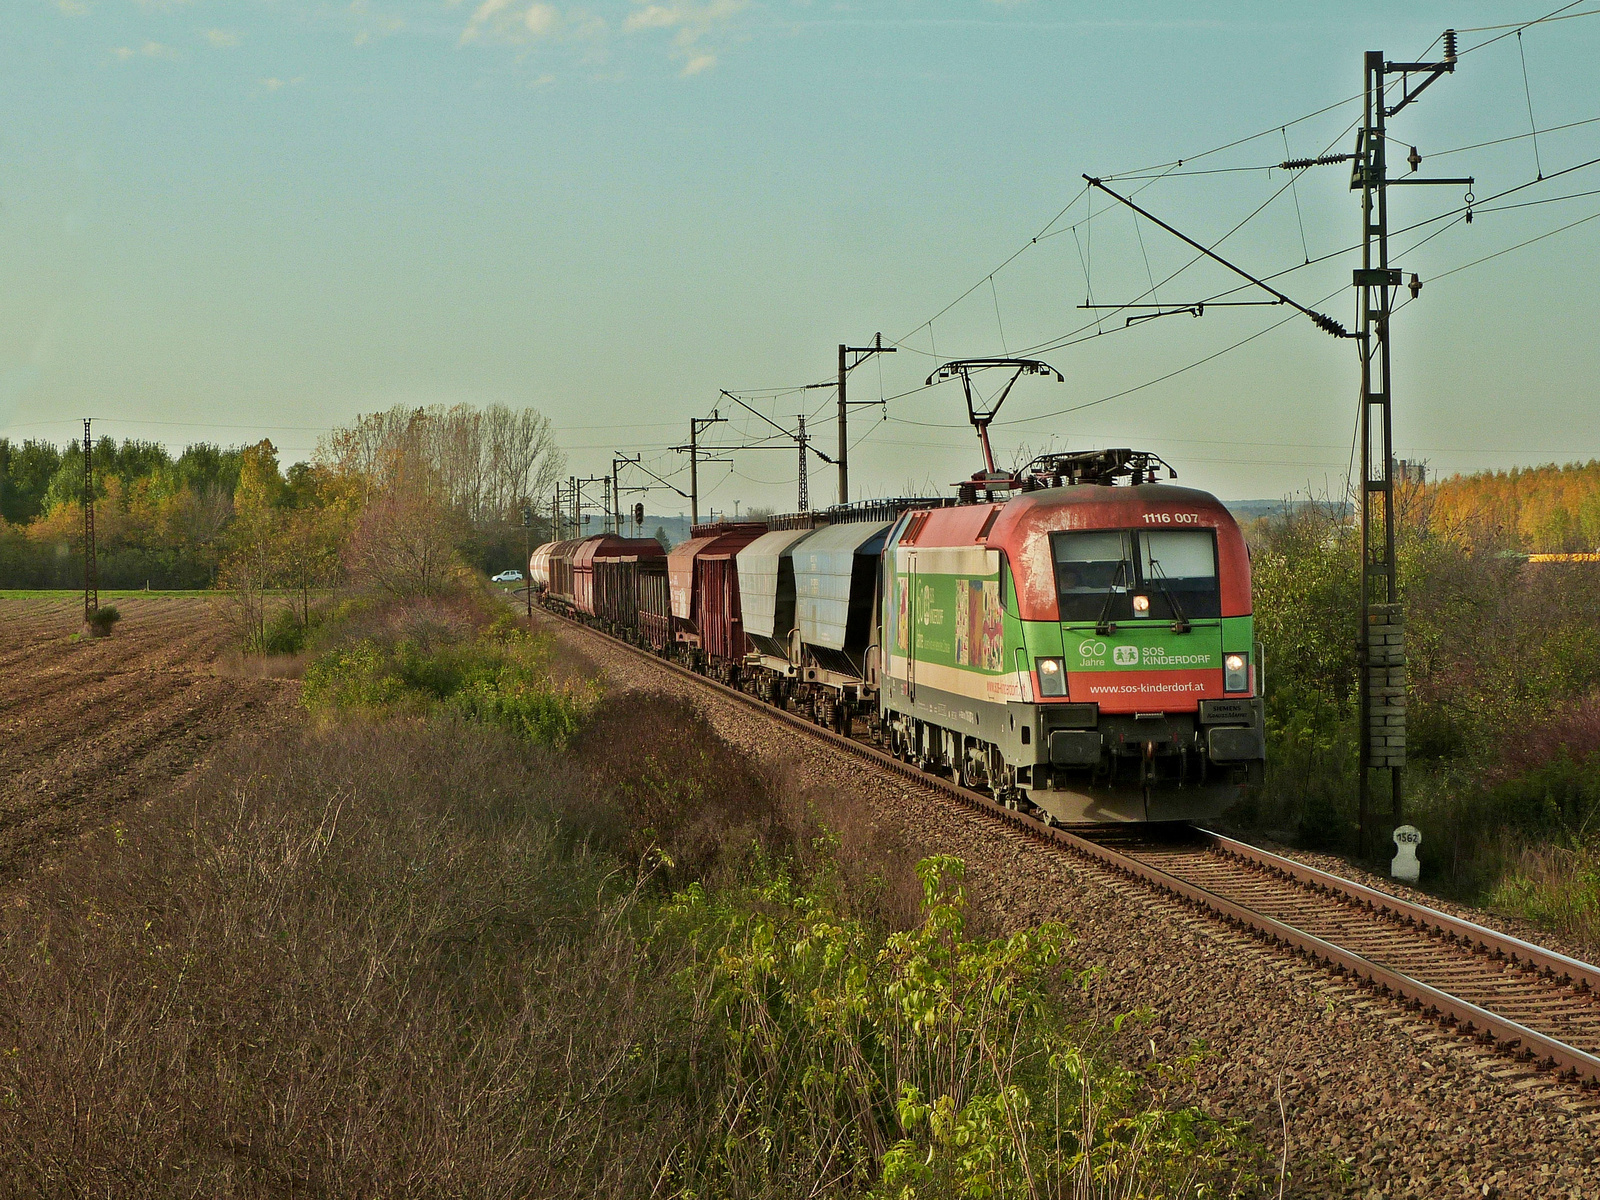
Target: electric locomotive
x=1079, y=640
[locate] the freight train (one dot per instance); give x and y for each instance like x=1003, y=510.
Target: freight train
x=1074, y=638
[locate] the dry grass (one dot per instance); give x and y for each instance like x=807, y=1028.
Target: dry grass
x=393, y=960
x=1556, y=886
x=261, y=666
x=363, y=963
x=418, y=958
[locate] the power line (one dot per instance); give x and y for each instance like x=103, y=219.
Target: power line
x=1515, y=137
x=1555, y=15
x=1138, y=172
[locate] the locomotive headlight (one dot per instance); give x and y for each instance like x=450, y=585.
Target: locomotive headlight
x=1235, y=673
x=1052, y=677
x=1141, y=606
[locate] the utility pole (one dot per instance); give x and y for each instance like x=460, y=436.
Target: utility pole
x=617, y=462
x=91, y=568
x=1380, y=639
x=579, y=503
x=697, y=426
x=527, y=557
x=800, y=437
x=637, y=462
x=846, y=365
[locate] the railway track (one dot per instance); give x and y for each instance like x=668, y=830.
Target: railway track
x=1530, y=1003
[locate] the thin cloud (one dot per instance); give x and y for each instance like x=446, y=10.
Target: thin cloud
x=692, y=28
x=696, y=18
x=541, y=20
x=272, y=83
x=222, y=39
x=517, y=22
x=373, y=22
x=691, y=23
x=488, y=17
x=148, y=50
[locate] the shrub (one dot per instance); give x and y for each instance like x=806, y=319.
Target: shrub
x=677, y=786
x=501, y=680
x=915, y=1063
x=102, y=619
x=286, y=633
x=1556, y=886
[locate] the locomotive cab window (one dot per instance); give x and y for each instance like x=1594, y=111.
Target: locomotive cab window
x=1179, y=567
x=1094, y=572
x=1125, y=575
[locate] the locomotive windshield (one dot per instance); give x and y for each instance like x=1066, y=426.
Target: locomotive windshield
x=1171, y=573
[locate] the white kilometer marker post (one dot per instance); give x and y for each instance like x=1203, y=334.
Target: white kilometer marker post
x=1404, y=865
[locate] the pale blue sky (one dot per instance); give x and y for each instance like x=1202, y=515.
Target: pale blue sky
x=227, y=218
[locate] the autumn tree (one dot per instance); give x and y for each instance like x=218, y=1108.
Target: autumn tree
x=250, y=567
x=404, y=543
x=314, y=521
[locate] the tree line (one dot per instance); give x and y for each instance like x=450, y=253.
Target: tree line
x=236, y=518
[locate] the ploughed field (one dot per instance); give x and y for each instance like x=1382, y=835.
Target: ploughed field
x=89, y=726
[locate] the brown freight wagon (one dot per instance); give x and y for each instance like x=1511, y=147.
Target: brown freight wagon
x=617, y=565
x=560, y=589
x=592, y=551
x=707, y=621
x=655, y=609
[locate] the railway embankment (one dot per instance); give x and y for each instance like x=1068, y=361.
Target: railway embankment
x=1363, y=1096
x=467, y=931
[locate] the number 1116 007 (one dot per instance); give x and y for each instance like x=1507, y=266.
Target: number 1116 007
x=1165, y=518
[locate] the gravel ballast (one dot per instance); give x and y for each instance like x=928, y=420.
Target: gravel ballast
x=1367, y=1098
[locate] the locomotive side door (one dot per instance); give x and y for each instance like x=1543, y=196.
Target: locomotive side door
x=911, y=626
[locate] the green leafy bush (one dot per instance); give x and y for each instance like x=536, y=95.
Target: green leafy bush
x=1556, y=886
x=501, y=679
x=919, y=1063
x=102, y=619
x=286, y=633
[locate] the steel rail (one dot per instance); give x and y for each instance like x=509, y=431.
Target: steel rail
x=1479, y=1023
x=1492, y=941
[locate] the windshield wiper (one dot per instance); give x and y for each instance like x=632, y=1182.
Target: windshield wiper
x=1103, y=624
x=1180, y=623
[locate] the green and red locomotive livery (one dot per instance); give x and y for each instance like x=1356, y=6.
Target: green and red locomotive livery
x=1086, y=648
